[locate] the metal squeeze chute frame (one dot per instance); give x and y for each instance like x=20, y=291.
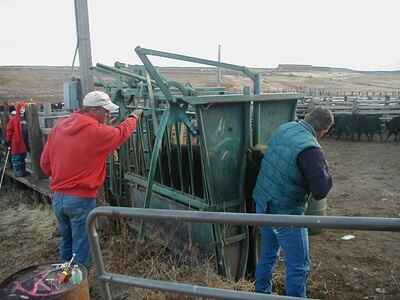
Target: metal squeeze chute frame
x=189, y=150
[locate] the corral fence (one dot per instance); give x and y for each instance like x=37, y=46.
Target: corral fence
x=335, y=92
x=386, y=107
x=331, y=222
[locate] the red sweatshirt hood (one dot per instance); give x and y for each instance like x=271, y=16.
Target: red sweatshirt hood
x=75, y=123
x=20, y=105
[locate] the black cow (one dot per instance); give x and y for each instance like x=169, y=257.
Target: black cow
x=368, y=125
x=351, y=125
x=393, y=127
x=57, y=106
x=254, y=157
x=343, y=125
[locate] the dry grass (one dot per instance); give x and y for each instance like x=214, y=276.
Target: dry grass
x=155, y=258
x=26, y=232
x=27, y=237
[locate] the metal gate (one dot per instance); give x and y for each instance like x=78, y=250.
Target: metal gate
x=356, y=223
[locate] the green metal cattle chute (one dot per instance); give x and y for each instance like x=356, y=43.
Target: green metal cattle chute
x=190, y=149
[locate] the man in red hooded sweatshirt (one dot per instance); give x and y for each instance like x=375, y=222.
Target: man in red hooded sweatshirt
x=74, y=158
x=16, y=140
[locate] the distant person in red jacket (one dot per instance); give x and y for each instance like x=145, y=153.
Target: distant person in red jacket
x=16, y=138
x=75, y=159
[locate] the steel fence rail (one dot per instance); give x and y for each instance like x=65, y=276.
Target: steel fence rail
x=188, y=289
x=331, y=222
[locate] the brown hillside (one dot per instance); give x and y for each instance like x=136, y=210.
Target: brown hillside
x=45, y=84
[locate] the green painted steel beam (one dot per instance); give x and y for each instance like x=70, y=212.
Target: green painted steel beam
x=178, y=196
x=195, y=100
x=210, y=89
x=234, y=239
x=155, y=75
x=108, y=69
x=197, y=60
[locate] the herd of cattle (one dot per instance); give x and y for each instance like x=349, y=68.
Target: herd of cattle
x=353, y=126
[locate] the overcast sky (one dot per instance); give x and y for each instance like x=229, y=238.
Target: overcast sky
x=358, y=34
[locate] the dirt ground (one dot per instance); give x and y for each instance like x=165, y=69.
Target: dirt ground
x=366, y=183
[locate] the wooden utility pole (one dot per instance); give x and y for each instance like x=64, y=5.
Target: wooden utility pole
x=85, y=52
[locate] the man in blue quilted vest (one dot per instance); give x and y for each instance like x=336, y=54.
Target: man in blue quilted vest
x=293, y=167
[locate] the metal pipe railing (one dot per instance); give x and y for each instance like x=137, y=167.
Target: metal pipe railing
x=332, y=222
x=112, y=70
x=144, y=52
x=197, y=60
x=188, y=289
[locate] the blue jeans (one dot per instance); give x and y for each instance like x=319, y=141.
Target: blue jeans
x=71, y=213
x=18, y=164
x=294, y=243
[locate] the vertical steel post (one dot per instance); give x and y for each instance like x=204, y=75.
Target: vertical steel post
x=153, y=163
x=47, y=108
x=85, y=53
x=191, y=162
x=257, y=84
x=257, y=91
x=219, y=68
x=97, y=256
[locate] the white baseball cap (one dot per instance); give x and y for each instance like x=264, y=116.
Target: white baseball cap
x=99, y=99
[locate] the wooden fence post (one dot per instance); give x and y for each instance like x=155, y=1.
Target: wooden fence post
x=4, y=119
x=35, y=139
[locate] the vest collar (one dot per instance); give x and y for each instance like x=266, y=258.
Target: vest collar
x=308, y=127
